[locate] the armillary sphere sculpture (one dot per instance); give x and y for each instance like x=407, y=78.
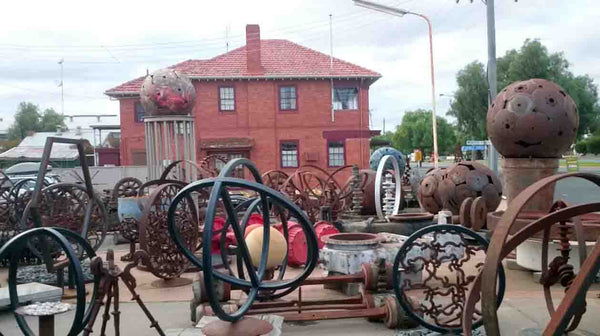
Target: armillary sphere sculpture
x=255, y=265
x=511, y=231
x=435, y=262
x=56, y=237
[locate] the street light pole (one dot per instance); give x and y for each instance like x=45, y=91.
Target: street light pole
x=401, y=12
x=491, y=72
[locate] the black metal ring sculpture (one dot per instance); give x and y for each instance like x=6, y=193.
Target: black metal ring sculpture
x=65, y=239
x=266, y=196
x=442, y=253
x=250, y=205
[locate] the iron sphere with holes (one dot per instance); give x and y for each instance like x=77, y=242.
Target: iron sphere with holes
x=383, y=151
x=429, y=194
x=448, y=188
x=532, y=118
x=167, y=92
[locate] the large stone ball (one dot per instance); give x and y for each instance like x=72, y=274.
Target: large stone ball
x=167, y=92
x=532, y=118
x=379, y=153
x=448, y=188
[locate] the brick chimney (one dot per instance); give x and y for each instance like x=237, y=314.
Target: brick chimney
x=253, y=49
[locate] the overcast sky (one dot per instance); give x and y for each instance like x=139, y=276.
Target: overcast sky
x=105, y=43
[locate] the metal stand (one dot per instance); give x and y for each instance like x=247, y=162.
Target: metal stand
x=109, y=288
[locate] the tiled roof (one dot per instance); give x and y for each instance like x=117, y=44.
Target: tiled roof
x=279, y=59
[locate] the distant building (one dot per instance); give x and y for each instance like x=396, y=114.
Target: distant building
x=3, y=135
x=31, y=148
x=271, y=101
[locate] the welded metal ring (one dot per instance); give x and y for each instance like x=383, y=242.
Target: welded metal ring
x=256, y=283
x=379, y=180
x=62, y=237
x=500, y=246
x=454, y=255
x=70, y=206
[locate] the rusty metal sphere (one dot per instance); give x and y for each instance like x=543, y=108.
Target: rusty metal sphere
x=447, y=188
x=532, y=118
x=471, y=179
x=429, y=191
x=167, y=92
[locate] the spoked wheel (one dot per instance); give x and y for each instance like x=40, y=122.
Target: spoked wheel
x=126, y=187
x=166, y=261
x=275, y=179
x=307, y=190
x=67, y=205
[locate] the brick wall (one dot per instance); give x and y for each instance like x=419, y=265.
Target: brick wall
x=257, y=116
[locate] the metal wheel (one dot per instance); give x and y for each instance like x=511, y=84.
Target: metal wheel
x=166, y=261
x=434, y=263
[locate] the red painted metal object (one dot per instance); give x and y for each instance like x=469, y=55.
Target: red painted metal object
x=322, y=229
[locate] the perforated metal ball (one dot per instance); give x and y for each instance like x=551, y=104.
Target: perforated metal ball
x=167, y=92
x=532, y=118
x=471, y=179
x=448, y=188
x=383, y=151
x=429, y=194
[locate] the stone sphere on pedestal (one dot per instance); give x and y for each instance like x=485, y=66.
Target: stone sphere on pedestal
x=532, y=118
x=167, y=92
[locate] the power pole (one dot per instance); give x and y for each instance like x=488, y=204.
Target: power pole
x=491, y=73
x=383, y=125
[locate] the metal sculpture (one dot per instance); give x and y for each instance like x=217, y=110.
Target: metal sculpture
x=167, y=92
x=266, y=198
x=447, y=189
x=429, y=191
x=68, y=205
x=567, y=314
x=385, y=161
x=86, y=213
x=126, y=187
x=165, y=260
x=532, y=118
x=380, y=153
x=64, y=239
x=108, y=291
x=434, y=260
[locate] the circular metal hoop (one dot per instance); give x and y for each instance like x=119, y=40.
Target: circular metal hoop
x=69, y=206
x=501, y=245
x=443, y=252
x=64, y=238
x=379, y=180
x=256, y=282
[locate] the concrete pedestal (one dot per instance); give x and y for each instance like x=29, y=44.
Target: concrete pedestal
x=521, y=173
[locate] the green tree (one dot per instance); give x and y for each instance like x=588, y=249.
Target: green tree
x=29, y=118
x=415, y=131
x=532, y=61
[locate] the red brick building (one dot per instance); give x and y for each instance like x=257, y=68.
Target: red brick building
x=270, y=101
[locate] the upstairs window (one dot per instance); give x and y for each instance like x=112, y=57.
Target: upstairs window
x=345, y=98
x=335, y=154
x=289, y=154
x=287, y=98
x=226, y=98
x=139, y=112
